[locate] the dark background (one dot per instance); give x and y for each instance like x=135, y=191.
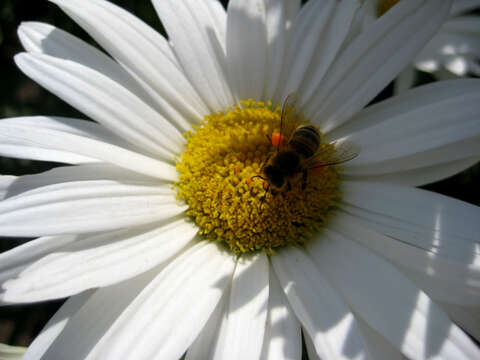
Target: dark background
x=20, y=96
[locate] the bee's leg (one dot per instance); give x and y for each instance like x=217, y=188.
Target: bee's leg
x=265, y=162
x=262, y=200
x=304, y=179
x=269, y=139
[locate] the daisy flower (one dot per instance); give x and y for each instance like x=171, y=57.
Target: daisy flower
x=163, y=239
x=453, y=52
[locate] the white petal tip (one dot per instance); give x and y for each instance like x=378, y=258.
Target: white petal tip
x=20, y=58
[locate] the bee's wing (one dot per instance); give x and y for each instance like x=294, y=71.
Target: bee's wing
x=290, y=119
x=341, y=152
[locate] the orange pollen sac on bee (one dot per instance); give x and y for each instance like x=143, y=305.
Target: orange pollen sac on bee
x=265, y=185
x=278, y=139
x=318, y=170
x=222, y=180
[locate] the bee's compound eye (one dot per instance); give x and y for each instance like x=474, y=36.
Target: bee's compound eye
x=318, y=170
x=277, y=139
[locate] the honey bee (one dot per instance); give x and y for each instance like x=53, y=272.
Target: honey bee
x=299, y=151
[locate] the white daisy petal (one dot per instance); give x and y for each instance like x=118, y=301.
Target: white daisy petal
x=467, y=317
x=86, y=206
x=420, y=98
x=195, y=35
x=310, y=347
x=91, y=315
x=6, y=182
x=69, y=125
x=247, y=47
x=454, y=50
x=140, y=49
x=292, y=8
x=105, y=101
x=461, y=150
x=440, y=287
x=279, y=14
x=246, y=314
x=460, y=6
x=179, y=300
x=14, y=261
x=388, y=302
x=427, y=118
x=19, y=144
x=421, y=176
x=405, y=80
x=322, y=312
x=98, y=261
x=367, y=65
x=423, y=219
x=370, y=12
x=378, y=347
x=305, y=34
x=442, y=278
x=46, y=39
x=395, y=275
x=467, y=24
x=55, y=326
x=219, y=15
x=283, y=338
x=206, y=344
x=84, y=172
x=74, y=141
x=456, y=65
x=356, y=26
x=316, y=45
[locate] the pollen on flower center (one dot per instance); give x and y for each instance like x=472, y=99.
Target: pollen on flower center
x=216, y=169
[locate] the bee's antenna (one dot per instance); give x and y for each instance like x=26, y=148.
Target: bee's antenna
x=265, y=162
x=258, y=176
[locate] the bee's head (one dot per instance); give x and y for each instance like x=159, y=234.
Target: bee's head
x=274, y=176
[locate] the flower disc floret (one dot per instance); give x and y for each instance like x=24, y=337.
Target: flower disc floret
x=222, y=156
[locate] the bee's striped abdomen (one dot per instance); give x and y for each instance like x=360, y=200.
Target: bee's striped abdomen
x=306, y=140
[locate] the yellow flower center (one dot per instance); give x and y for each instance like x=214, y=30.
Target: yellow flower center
x=385, y=5
x=222, y=156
